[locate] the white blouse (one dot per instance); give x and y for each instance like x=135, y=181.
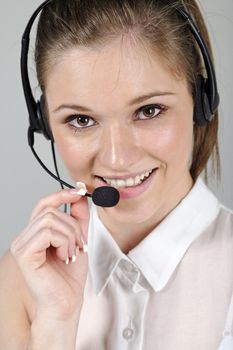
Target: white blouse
x=172, y=291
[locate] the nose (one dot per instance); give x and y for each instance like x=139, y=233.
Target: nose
x=119, y=147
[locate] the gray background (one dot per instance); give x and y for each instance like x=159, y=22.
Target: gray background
x=23, y=182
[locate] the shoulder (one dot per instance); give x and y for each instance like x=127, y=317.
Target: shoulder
x=15, y=305
x=224, y=221
x=218, y=219
x=220, y=230
x=216, y=240
x=216, y=243
x=227, y=211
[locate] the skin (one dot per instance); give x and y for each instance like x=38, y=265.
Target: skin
x=44, y=308
x=105, y=82
x=41, y=296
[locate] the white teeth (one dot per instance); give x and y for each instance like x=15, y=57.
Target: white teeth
x=120, y=183
x=130, y=182
x=137, y=180
x=113, y=183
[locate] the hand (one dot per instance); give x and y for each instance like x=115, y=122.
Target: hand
x=41, y=250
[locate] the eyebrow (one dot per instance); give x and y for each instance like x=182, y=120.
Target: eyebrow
x=148, y=96
x=131, y=103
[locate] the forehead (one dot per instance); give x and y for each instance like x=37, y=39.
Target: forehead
x=121, y=68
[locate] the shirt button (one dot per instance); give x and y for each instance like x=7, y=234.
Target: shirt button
x=128, y=333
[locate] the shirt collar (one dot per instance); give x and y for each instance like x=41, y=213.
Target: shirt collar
x=158, y=255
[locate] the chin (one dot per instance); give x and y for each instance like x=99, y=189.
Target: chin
x=134, y=212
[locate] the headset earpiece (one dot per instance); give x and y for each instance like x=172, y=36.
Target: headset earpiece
x=206, y=101
x=42, y=119
x=202, y=112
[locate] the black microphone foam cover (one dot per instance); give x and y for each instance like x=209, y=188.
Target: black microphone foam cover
x=105, y=196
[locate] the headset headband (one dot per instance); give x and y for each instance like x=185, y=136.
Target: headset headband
x=30, y=101
x=210, y=85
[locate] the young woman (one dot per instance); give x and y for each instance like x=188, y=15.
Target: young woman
x=123, y=93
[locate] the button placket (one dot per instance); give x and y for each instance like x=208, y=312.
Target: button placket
x=128, y=332
x=133, y=306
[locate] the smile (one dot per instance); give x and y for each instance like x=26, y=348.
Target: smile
x=129, y=182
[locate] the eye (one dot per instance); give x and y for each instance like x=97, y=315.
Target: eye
x=81, y=121
x=150, y=112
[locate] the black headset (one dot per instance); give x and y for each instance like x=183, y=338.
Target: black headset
x=205, y=104
x=206, y=100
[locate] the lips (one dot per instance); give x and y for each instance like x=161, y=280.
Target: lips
x=127, y=182
x=131, y=191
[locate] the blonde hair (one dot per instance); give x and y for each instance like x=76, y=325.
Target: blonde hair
x=71, y=23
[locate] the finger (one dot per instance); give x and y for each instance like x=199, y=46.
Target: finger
x=34, y=251
x=63, y=217
x=80, y=211
x=53, y=223
x=55, y=200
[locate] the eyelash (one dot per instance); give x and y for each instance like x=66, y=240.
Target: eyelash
x=162, y=109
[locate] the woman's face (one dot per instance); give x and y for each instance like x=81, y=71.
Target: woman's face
x=119, y=117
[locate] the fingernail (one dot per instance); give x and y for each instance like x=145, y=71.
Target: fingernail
x=67, y=261
x=74, y=192
x=73, y=258
x=81, y=188
x=85, y=246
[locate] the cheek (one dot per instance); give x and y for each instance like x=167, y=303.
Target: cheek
x=172, y=144
x=75, y=156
